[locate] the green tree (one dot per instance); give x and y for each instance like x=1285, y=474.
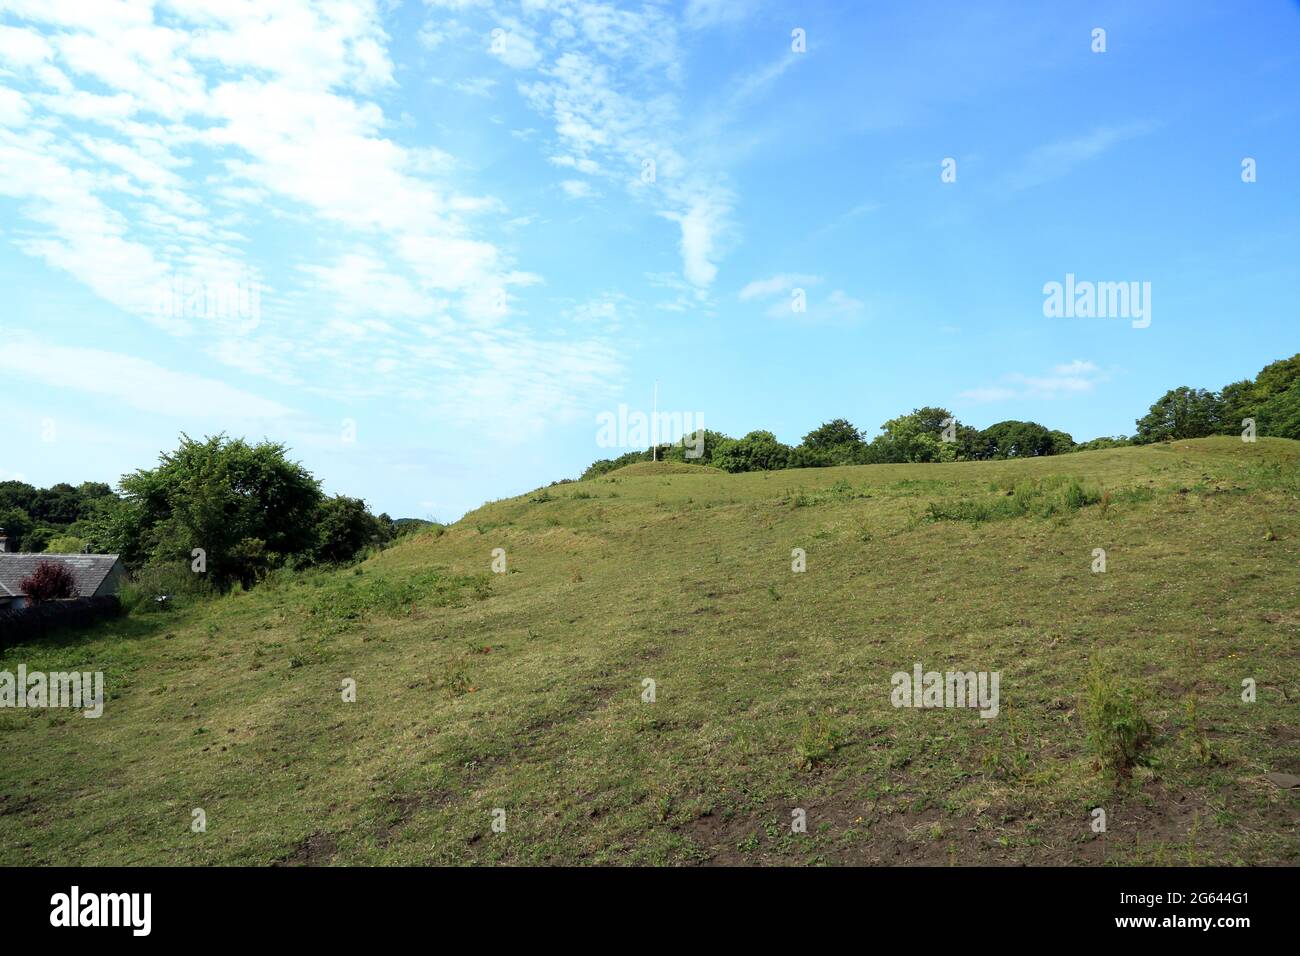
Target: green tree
x=1237, y=402
x=836, y=442
x=1062, y=442
x=606, y=465
x=38, y=539
x=1181, y=413
x=17, y=525
x=916, y=437
x=247, y=506
x=1279, y=416
x=1104, y=442
x=65, y=544
x=59, y=504
x=1277, y=377
x=346, y=528
x=1016, y=439
x=17, y=494
x=705, y=442
x=757, y=451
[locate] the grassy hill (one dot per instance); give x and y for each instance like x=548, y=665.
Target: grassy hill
x=523, y=690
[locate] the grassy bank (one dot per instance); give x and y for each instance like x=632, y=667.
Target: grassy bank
x=523, y=691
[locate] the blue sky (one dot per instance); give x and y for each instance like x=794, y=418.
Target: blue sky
x=427, y=244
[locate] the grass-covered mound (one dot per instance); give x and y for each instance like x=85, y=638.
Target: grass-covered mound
x=524, y=690
x=662, y=468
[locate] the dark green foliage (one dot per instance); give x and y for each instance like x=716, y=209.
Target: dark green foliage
x=345, y=528
x=834, y=443
x=1118, y=441
x=405, y=526
x=1272, y=399
x=1279, y=415
x=932, y=433
x=1237, y=402
x=702, y=445
x=757, y=451
x=1062, y=443
x=176, y=581
x=606, y=465
x=916, y=437
x=1014, y=439
x=247, y=506
x=16, y=524
x=1181, y=413
x=832, y=434
x=32, y=516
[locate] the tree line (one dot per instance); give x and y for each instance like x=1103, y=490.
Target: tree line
x=1271, y=400
x=248, y=508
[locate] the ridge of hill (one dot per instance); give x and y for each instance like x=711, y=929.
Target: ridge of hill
x=525, y=691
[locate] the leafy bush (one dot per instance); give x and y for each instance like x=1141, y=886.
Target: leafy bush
x=173, y=580
x=345, y=528
x=757, y=451
x=65, y=544
x=51, y=581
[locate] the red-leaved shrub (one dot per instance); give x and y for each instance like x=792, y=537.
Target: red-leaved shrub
x=49, y=582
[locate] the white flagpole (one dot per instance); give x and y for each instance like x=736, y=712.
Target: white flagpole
x=654, y=426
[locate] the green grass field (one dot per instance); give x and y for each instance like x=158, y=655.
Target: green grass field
x=523, y=691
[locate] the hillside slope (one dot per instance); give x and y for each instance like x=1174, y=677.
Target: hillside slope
x=523, y=691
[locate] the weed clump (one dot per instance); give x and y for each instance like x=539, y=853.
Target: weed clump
x=819, y=737
x=1044, y=498
x=1117, y=731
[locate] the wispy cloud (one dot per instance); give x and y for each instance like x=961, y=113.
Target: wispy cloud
x=607, y=78
x=789, y=297
x=134, y=382
x=777, y=284
x=1061, y=381
x=1056, y=159
x=141, y=147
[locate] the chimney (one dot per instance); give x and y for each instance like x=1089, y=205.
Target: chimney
x=4, y=541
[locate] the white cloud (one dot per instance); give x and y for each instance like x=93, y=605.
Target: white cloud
x=836, y=306
x=577, y=189
x=130, y=129
x=360, y=282
x=134, y=382
x=1057, y=159
x=782, y=283
x=478, y=86
x=609, y=80
x=513, y=49
x=702, y=14
x=700, y=225
x=1071, y=378
x=13, y=108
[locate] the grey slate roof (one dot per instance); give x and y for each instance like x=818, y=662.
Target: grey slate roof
x=88, y=570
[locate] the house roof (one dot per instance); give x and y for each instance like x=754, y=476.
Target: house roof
x=88, y=570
